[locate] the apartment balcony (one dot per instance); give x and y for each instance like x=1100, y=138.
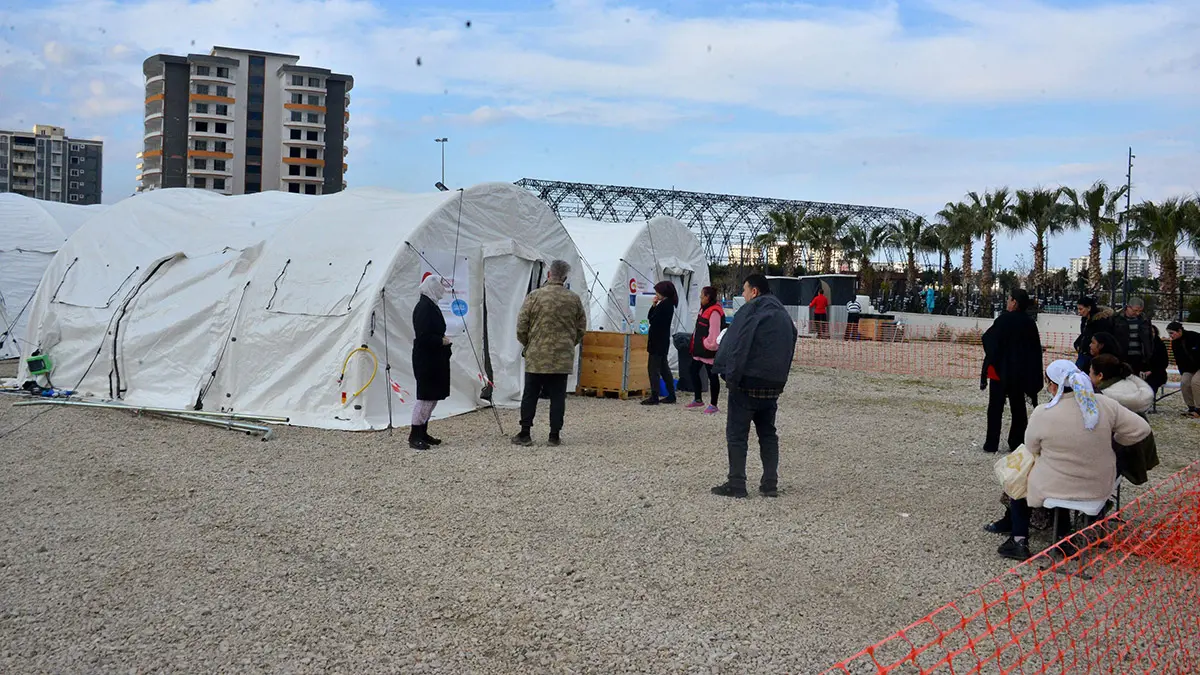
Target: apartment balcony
x=156, y=90
x=155, y=78
x=24, y=158
x=213, y=77
x=303, y=179
x=210, y=171
x=345, y=151
x=24, y=173
x=303, y=142
x=212, y=133
x=303, y=124
x=154, y=108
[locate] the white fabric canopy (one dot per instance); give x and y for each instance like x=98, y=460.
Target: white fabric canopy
x=31, y=232
x=253, y=303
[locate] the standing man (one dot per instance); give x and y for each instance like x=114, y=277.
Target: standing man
x=755, y=358
x=853, y=314
x=1186, y=346
x=1133, y=333
x=820, y=310
x=551, y=324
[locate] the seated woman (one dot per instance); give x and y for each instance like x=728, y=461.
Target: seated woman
x=1071, y=438
x=1115, y=380
x=1156, y=365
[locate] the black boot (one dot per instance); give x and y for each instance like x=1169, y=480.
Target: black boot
x=555, y=440
x=416, y=437
x=427, y=438
x=523, y=438
x=652, y=400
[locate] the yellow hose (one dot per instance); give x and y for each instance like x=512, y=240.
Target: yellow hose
x=374, y=371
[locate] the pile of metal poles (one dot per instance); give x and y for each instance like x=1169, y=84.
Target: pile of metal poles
x=244, y=422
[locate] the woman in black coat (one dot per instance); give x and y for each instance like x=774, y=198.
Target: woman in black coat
x=1156, y=366
x=1012, y=370
x=431, y=361
x=658, y=342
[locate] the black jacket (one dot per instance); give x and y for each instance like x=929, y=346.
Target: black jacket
x=1013, y=346
x=431, y=358
x=1157, y=364
x=1187, y=352
x=1099, y=321
x=1121, y=331
x=757, y=350
x=659, y=339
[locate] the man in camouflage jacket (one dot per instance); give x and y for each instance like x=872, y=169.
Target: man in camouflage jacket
x=551, y=324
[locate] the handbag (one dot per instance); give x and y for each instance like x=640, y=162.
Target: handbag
x=1012, y=470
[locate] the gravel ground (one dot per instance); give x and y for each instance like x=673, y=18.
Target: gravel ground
x=145, y=544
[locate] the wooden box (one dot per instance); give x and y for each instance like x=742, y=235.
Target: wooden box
x=613, y=364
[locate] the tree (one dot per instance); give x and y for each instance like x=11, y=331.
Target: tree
x=943, y=239
x=908, y=235
x=1041, y=212
x=1097, y=207
x=995, y=210
x=824, y=233
x=788, y=227
x=962, y=221
x=863, y=243
x=1160, y=229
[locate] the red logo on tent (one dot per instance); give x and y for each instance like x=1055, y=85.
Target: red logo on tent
x=633, y=286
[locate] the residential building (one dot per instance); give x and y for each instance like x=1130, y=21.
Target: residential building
x=1080, y=266
x=46, y=164
x=1189, y=267
x=239, y=121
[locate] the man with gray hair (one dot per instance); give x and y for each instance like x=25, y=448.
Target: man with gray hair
x=1134, y=335
x=550, y=326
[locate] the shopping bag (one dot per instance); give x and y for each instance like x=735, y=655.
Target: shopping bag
x=1012, y=470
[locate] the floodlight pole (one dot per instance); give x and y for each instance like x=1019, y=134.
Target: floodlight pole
x=442, y=142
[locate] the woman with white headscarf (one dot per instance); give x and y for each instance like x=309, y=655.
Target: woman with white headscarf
x=431, y=360
x=1071, y=438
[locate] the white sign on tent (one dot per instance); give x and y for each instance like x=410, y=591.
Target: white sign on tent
x=456, y=304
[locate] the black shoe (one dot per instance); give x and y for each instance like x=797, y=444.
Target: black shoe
x=415, y=441
x=727, y=490
x=523, y=438
x=1014, y=550
x=991, y=450
x=669, y=399
x=1002, y=526
x=429, y=439
x=653, y=400
x=555, y=440
x=768, y=491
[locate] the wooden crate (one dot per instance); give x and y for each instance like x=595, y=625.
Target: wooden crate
x=613, y=363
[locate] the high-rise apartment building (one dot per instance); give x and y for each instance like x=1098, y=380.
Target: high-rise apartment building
x=239, y=121
x=46, y=164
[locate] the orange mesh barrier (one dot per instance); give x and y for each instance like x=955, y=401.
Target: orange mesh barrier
x=1126, y=601
x=928, y=351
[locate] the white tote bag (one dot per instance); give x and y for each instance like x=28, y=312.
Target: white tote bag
x=1012, y=470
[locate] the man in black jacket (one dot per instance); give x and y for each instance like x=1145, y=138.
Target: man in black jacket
x=755, y=358
x=1132, y=330
x=1012, y=370
x=1186, y=346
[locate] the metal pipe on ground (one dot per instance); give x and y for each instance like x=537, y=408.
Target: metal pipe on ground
x=231, y=425
x=215, y=421
x=169, y=411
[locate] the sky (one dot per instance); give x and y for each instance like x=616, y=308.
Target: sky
x=905, y=104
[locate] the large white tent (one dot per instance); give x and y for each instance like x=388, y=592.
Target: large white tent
x=623, y=261
x=254, y=303
x=31, y=232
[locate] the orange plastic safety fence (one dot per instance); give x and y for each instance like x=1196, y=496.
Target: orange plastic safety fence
x=1122, y=596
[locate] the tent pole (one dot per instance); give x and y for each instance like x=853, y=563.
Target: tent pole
x=168, y=411
x=387, y=359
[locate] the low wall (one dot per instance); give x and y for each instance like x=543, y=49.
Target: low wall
x=1047, y=323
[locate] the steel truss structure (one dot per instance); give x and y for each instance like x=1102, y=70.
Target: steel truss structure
x=723, y=222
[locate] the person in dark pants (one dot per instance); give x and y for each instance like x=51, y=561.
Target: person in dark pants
x=1132, y=330
x=431, y=361
x=853, y=314
x=820, y=310
x=549, y=327
x=1012, y=370
x=658, y=342
x=1155, y=373
x=755, y=358
x=709, y=324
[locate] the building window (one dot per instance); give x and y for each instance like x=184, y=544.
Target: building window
x=222, y=109
x=293, y=169
x=251, y=188
x=218, y=165
x=199, y=182
x=202, y=89
x=200, y=163
x=314, y=118
x=294, y=187
x=200, y=145
x=76, y=172
x=254, y=115
x=258, y=61
x=219, y=146
x=254, y=168
x=73, y=185
x=311, y=153
x=202, y=127
x=297, y=98
x=256, y=98
x=74, y=198
x=202, y=70
x=314, y=136
x=296, y=134
x=310, y=171
x=254, y=133
x=75, y=147
x=202, y=108
x=56, y=171
x=297, y=80
x=314, y=82
x=256, y=79
x=297, y=116
x=253, y=151
x=218, y=183
x=223, y=72
x=314, y=100
x=310, y=189
x=222, y=90
x=221, y=128
x=294, y=152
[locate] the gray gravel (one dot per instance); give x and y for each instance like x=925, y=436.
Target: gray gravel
x=140, y=543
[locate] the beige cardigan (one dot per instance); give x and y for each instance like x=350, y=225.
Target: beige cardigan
x=1072, y=462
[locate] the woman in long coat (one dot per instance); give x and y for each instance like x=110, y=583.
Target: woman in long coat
x=431, y=361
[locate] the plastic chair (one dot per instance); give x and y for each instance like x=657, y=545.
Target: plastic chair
x=1091, y=508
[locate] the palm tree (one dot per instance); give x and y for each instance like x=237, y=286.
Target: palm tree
x=863, y=243
x=824, y=233
x=963, y=222
x=1041, y=212
x=1097, y=207
x=1161, y=229
x=944, y=240
x=788, y=227
x=995, y=210
x=908, y=235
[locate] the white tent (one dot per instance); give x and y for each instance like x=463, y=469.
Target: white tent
x=254, y=303
x=31, y=231
x=623, y=261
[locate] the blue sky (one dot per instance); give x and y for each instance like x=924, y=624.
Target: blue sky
x=906, y=104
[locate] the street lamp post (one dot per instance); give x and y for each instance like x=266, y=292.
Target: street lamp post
x=442, y=142
x=1128, y=190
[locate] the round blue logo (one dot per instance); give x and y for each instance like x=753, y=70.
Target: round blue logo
x=459, y=307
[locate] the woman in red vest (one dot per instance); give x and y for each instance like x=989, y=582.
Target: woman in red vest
x=709, y=324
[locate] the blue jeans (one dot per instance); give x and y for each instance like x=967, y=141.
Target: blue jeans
x=741, y=411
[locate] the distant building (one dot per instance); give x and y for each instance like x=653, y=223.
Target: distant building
x=1189, y=267
x=1080, y=266
x=46, y=164
x=239, y=121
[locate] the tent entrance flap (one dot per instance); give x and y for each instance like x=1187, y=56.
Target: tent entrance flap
x=508, y=279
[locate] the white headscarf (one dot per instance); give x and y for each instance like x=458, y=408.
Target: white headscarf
x=433, y=287
x=1065, y=374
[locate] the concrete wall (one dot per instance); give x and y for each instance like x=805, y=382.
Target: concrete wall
x=1047, y=323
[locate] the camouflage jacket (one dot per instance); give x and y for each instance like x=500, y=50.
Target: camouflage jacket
x=549, y=327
